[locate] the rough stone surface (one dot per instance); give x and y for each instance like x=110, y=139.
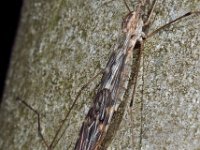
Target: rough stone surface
x=61, y=44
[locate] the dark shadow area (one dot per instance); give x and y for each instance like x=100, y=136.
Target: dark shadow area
x=9, y=24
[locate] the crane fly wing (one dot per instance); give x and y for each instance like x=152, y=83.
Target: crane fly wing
x=96, y=121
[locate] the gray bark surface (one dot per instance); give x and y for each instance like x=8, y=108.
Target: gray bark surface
x=62, y=44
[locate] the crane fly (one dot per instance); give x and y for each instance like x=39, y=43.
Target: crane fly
x=118, y=74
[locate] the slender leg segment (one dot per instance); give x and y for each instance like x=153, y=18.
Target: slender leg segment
x=54, y=141
x=171, y=22
x=38, y=120
x=148, y=21
x=73, y=104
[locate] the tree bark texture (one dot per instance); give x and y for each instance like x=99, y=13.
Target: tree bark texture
x=61, y=44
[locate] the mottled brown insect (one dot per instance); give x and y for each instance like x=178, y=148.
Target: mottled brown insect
x=113, y=83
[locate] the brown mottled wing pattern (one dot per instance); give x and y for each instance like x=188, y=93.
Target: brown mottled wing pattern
x=95, y=121
x=99, y=116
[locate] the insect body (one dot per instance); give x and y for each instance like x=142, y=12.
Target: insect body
x=115, y=77
x=112, y=85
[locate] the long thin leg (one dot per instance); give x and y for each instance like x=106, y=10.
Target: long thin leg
x=168, y=24
x=136, y=72
x=142, y=104
x=49, y=147
x=58, y=139
x=134, y=90
x=70, y=109
x=135, y=80
x=148, y=21
x=38, y=120
x=127, y=6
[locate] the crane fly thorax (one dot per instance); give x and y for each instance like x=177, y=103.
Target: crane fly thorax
x=132, y=26
x=132, y=23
